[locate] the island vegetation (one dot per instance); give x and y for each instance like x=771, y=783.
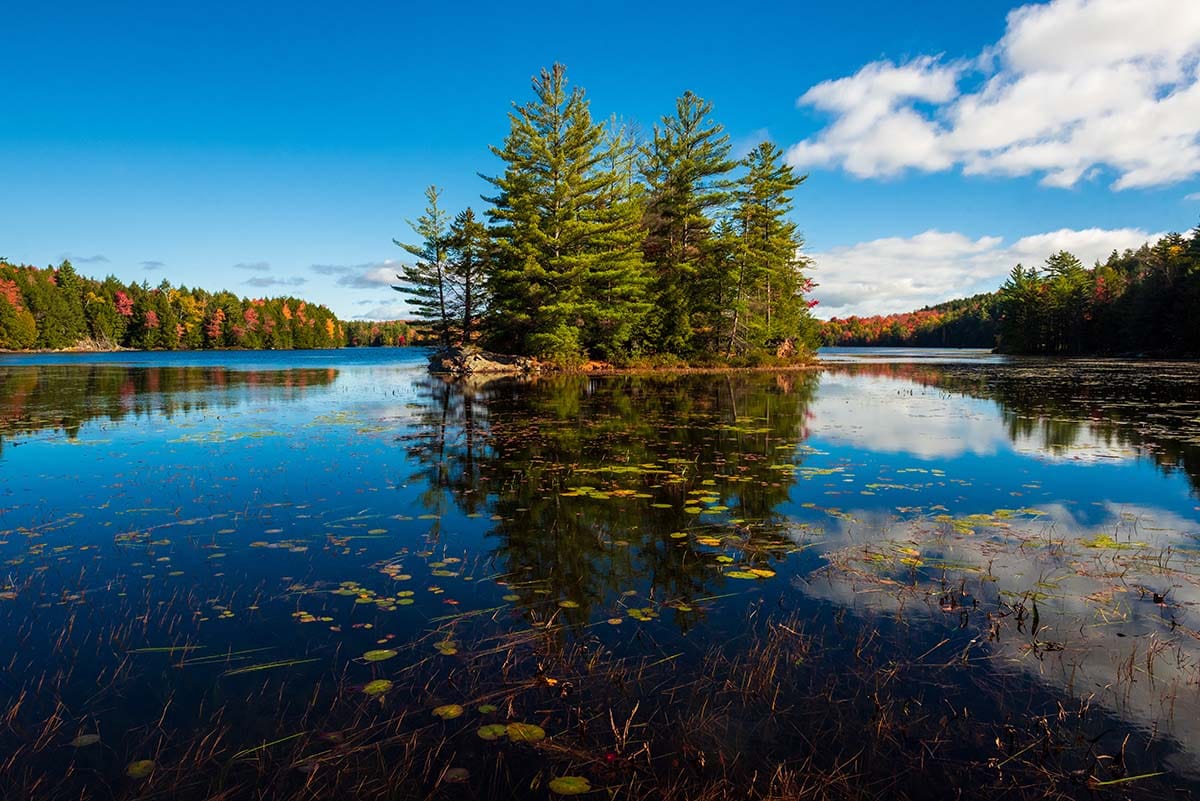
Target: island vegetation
x=601, y=244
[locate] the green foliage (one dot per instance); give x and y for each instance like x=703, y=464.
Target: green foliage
x=426, y=282
x=568, y=280
x=686, y=167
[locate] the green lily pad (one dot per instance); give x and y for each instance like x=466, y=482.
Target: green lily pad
x=379, y=655
x=525, y=732
x=570, y=785
x=84, y=740
x=139, y=769
x=487, y=709
x=492, y=731
x=377, y=687
x=569, y=604
x=448, y=711
x=456, y=775
x=741, y=574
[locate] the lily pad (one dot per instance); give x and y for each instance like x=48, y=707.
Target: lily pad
x=570, y=785
x=492, y=731
x=379, y=655
x=139, y=769
x=456, y=775
x=377, y=687
x=525, y=732
x=448, y=711
x=487, y=709
x=84, y=740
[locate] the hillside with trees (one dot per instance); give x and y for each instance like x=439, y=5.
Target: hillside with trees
x=965, y=323
x=1142, y=301
x=597, y=244
x=56, y=308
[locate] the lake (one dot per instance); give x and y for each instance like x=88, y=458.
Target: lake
x=917, y=574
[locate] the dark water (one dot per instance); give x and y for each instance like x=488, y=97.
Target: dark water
x=914, y=575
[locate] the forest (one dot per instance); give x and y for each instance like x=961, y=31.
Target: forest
x=55, y=307
x=599, y=242
x=965, y=323
x=1141, y=301
x=1137, y=302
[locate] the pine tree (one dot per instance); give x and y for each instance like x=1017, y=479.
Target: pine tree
x=467, y=248
x=685, y=168
x=767, y=303
x=565, y=238
x=425, y=283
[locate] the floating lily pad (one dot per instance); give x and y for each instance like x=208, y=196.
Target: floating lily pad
x=84, y=740
x=456, y=775
x=525, y=732
x=492, y=731
x=570, y=785
x=139, y=769
x=569, y=604
x=741, y=574
x=377, y=687
x=487, y=709
x=379, y=655
x=448, y=711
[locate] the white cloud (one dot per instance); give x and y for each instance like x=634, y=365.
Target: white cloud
x=1192, y=196
x=1073, y=86
x=899, y=274
x=386, y=311
x=362, y=276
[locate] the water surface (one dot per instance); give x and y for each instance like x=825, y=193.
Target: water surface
x=904, y=573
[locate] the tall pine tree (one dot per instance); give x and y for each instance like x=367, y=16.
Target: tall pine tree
x=766, y=304
x=567, y=274
x=425, y=282
x=685, y=167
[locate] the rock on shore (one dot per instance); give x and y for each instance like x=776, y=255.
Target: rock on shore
x=474, y=361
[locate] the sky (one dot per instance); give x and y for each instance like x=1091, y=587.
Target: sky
x=273, y=148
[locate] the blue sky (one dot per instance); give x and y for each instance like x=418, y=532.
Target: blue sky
x=242, y=147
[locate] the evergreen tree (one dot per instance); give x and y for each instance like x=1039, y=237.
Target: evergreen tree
x=685, y=168
x=767, y=304
x=567, y=275
x=425, y=282
x=467, y=256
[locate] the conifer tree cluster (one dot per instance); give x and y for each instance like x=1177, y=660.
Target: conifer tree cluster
x=55, y=307
x=599, y=245
x=1139, y=301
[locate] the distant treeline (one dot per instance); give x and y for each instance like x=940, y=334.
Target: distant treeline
x=368, y=333
x=55, y=307
x=966, y=323
x=1143, y=301
x=1139, y=301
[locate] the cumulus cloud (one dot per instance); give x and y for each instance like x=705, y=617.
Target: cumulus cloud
x=256, y=266
x=385, y=311
x=267, y=281
x=898, y=274
x=361, y=276
x=1073, y=87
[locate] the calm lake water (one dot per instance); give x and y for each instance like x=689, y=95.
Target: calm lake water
x=909, y=574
